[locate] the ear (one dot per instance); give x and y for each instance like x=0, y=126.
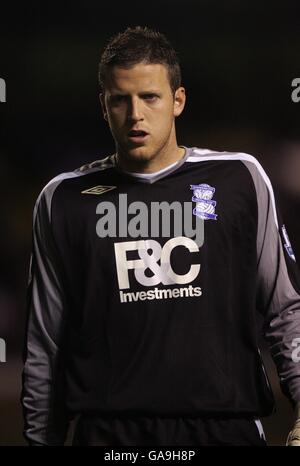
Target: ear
x=103, y=106
x=179, y=101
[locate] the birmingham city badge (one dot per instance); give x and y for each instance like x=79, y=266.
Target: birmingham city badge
x=205, y=205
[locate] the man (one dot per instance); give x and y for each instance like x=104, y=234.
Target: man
x=149, y=269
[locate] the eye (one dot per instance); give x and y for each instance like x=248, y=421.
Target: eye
x=116, y=99
x=150, y=97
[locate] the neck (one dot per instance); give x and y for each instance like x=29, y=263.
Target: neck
x=165, y=157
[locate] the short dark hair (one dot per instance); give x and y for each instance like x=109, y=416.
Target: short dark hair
x=136, y=45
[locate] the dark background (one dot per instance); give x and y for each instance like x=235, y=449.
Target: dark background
x=238, y=61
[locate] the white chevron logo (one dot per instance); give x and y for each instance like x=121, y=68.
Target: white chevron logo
x=98, y=189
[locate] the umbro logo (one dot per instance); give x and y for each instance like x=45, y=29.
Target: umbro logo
x=98, y=189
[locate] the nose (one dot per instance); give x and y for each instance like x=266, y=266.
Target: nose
x=135, y=110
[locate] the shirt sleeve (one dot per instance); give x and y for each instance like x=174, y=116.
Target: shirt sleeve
x=45, y=416
x=278, y=286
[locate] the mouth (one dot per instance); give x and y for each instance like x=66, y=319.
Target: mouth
x=137, y=136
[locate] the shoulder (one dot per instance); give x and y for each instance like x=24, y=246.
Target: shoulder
x=250, y=162
x=197, y=154
x=261, y=181
x=45, y=196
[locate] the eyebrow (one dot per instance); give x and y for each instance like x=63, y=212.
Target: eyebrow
x=150, y=91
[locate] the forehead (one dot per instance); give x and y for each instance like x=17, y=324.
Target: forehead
x=138, y=77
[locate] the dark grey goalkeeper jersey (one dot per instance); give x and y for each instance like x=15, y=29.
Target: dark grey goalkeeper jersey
x=144, y=294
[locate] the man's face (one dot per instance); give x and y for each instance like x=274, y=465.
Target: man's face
x=140, y=109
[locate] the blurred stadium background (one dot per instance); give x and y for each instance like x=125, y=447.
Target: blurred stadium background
x=238, y=61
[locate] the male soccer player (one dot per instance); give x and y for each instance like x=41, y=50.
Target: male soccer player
x=148, y=272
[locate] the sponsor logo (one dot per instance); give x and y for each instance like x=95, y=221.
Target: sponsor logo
x=156, y=259
x=205, y=206
x=144, y=261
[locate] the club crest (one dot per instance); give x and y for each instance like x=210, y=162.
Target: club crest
x=205, y=205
